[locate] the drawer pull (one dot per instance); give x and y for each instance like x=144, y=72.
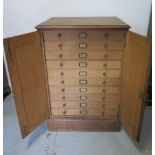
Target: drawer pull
x=62, y=82
x=83, y=45
x=83, y=81
x=104, y=74
x=103, y=113
x=83, y=73
x=61, y=64
x=104, y=82
x=83, y=105
x=64, y=112
x=60, y=45
x=103, y=105
x=105, y=56
x=59, y=35
x=83, y=97
x=83, y=55
x=64, y=105
x=106, y=35
x=104, y=90
x=62, y=73
x=82, y=64
x=105, y=65
x=83, y=112
x=105, y=45
x=63, y=89
x=63, y=97
x=83, y=35
x=83, y=89
x=60, y=56
x=103, y=98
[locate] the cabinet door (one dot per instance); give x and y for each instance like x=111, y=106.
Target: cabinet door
x=26, y=68
x=137, y=57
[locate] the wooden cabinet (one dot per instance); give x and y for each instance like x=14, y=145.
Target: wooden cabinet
x=84, y=74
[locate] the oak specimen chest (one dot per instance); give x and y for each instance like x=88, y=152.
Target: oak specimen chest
x=82, y=74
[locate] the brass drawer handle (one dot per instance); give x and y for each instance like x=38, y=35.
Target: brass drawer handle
x=104, y=74
x=83, y=97
x=83, y=35
x=83, y=73
x=83, y=45
x=83, y=89
x=63, y=89
x=83, y=112
x=62, y=82
x=83, y=81
x=83, y=105
x=61, y=64
x=62, y=73
x=82, y=64
x=83, y=55
x=59, y=35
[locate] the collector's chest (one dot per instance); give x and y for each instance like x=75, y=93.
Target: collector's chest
x=77, y=76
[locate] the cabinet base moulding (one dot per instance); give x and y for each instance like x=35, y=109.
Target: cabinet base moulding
x=70, y=124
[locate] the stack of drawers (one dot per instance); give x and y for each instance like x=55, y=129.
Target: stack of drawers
x=84, y=71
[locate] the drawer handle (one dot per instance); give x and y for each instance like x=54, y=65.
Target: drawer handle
x=104, y=74
x=83, y=81
x=83, y=73
x=83, y=35
x=83, y=89
x=62, y=82
x=106, y=35
x=104, y=90
x=105, y=56
x=105, y=45
x=83, y=105
x=60, y=55
x=60, y=45
x=103, y=105
x=62, y=73
x=104, y=82
x=64, y=105
x=104, y=98
x=83, y=112
x=83, y=45
x=64, y=112
x=63, y=97
x=83, y=55
x=83, y=97
x=59, y=35
x=61, y=64
x=105, y=65
x=103, y=113
x=63, y=89
x=82, y=64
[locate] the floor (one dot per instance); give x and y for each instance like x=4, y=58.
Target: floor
x=43, y=142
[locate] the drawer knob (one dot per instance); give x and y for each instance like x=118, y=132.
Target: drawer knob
x=60, y=45
x=103, y=98
x=105, y=56
x=62, y=73
x=105, y=65
x=104, y=82
x=64, y=105
x=104, y=90
x=106, y=35
x=103, y=113
x=59, y=35
x=64, y=112
x=103, y=105
x=105, y=45
x=104, y=74
x=63, y=89
x=60, y=56
x=62, y=82
x=63, y=97
x=61, y=64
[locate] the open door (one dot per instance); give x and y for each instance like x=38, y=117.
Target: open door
x=137, y=59
x=26, y=68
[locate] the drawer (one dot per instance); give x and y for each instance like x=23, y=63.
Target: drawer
x=75, y=46
x=109, y=113
x=83, y=73
x=83, y=34
x=89, y=105
x=84, y=89
x=112, y=55
x=83, y=64
x=84, y=82
x=84, y=97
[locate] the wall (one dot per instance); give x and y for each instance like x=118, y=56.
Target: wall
x=22, y=16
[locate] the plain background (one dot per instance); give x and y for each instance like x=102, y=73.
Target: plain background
x=21, y=16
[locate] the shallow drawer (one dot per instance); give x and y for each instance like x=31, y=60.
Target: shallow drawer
x=84, y=81
x=73, y=104
x=83, y=73
x=83, y=97
x=83, y=64
x=83, y=89
x=83, y=34
x=108, y=113
x=105, y=45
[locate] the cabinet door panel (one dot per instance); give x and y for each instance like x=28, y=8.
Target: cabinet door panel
x=26, y=69
x=135, y=72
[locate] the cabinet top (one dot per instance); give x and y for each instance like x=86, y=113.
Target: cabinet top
x=83, y=22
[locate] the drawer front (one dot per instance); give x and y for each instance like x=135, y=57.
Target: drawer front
x=83, y=64
x=60, y=35
x=108, y=113
x=84, y=97
x=83, y=55
x=75, y=46
x=83, y=73
x=88, y=89
x=84, y=104
x=84, y=81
